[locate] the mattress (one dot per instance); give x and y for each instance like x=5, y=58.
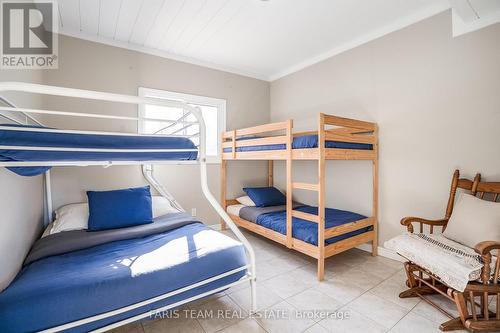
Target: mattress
x=274, y=218
x=303, y=142
x=234, y=209
x=63, y=288
x=30, y=136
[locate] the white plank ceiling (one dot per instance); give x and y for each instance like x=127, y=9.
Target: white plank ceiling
x=263, y=39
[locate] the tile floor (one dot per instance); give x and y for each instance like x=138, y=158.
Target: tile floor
x=363, y=288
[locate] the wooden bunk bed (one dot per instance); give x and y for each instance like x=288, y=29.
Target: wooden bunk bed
x=243, y=144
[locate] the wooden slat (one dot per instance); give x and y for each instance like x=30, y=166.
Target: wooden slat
x=227, y=135
x=305, y=133
x=233, y=144
x=256, y=155
x=262, y=128
x=305, y=186
x=348, y=243
x=271, y=140
x=305, y=154
x=349, y=154
x=270, y=173
x=465, y=184
x=297, y=244
x=305, y=248
x=346, y=130
x=289, y=190
x=305, y=216
x=347, y=122
x=489, y=187
x=375, y=194
x=348, y=227
x=354, y=138
x=258, y=229
x=321, y=197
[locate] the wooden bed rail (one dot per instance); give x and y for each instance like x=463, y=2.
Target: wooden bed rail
x=347, y=122
x=260, y=129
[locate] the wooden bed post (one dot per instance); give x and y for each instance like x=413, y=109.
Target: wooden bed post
x=289, y=140
x=223, y=186
x=321, y=197
x=270, y=173
x=375, y=194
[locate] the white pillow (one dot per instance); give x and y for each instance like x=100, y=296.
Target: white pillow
x=474, y=220
x=162, y=206
x=245, y=200
x=76, y=216
x=71, y=217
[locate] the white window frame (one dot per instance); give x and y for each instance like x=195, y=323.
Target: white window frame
x=219, y=103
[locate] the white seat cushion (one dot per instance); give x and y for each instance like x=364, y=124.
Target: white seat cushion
x=454, y=263
x=474, y=220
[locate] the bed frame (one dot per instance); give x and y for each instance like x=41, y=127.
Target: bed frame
x=344, y=130
x=147, y=167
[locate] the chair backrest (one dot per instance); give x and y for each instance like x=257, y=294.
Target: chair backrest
x=484, y=190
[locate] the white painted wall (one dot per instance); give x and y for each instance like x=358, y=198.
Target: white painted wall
x=436, y=100
x=21, y=198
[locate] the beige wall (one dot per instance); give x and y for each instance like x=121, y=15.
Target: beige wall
x=21, y=198
x=94, y=66
x=436, y=100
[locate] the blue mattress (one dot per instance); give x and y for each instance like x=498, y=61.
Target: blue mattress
x=302, y=142
x=21, y=137
x=75, y=285
x=308, y=231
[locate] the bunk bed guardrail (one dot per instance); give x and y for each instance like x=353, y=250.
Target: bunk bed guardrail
x=147, y=168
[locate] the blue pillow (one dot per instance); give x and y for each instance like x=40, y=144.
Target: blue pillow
x=119, y=208
x=265, y=196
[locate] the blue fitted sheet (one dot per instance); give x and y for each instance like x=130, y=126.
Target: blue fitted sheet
x=64, y=288
x=302, y=142
x=20, y=137
x=308, y=231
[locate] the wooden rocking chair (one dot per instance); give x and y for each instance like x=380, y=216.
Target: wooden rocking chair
x=473, y=314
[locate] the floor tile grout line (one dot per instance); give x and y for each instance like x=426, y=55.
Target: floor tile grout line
x=367, y=291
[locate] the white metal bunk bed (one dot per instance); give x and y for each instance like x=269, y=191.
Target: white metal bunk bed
x=147, y=168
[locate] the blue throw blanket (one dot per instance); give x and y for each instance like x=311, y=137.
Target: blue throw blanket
x=308, y=231
x=62, y=288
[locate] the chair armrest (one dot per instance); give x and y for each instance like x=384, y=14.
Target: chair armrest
x=407, y=221
x=485, y=247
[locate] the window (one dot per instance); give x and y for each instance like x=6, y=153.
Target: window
x=212, y=109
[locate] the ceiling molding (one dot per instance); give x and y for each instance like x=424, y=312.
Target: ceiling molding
x=399, y=24
x=162, y=54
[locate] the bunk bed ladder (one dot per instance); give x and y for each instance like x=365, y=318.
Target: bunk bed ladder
x=27, y=117
x=318, y=187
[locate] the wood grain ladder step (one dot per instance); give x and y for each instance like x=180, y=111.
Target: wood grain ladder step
x=305, y=186
x=305, y=216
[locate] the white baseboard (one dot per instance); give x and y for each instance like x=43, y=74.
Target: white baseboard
x=382, y=251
